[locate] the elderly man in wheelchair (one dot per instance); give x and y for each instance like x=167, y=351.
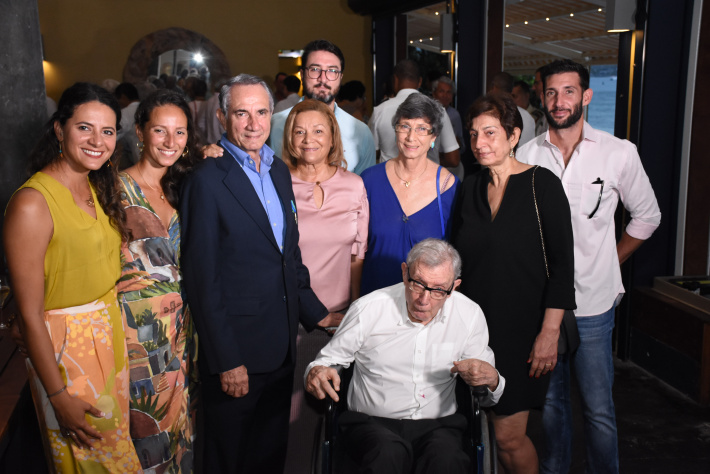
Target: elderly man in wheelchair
x=408, y=343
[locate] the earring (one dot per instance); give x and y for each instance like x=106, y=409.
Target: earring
x=512, y=153
x=140, y=147
x=433, y=144
x=185, y=153
x=60, y=150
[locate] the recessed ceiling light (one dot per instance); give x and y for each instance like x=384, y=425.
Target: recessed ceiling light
x=599, y=10
x=436, y=13
x=431, y=39
x=411, y=41
x=547, y=19
x=571, y=14
x=420, y=40
x=507, y=25
x=526, y=22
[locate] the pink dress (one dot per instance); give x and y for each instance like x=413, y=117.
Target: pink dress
x=329, y=237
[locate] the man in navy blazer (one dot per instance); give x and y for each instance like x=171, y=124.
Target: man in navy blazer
x=246, y=287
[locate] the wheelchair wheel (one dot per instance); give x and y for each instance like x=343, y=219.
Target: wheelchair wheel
x=487, y=452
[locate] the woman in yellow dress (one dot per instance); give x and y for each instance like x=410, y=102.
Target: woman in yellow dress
x=62, y=236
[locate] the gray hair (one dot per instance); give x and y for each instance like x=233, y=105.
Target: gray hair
x=445, y=80
x=434, y=253
x=225, y=94
x=420, y=106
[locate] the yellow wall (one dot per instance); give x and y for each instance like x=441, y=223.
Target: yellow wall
x=90, y=40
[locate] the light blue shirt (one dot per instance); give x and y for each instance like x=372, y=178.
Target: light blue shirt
x=358, y=145
x=263, y=185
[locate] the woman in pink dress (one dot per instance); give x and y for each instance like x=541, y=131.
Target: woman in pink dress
x=333, y=215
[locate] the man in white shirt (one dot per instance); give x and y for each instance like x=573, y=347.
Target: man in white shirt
x=322, y=73
x=596, y=170
x=407, y=79
x=408, y=343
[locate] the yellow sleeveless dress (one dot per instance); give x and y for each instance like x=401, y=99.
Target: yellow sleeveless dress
x=84, y=322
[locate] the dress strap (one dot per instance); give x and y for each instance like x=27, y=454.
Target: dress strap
x=438, y=199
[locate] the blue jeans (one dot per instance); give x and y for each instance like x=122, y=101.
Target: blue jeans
x=594, y=368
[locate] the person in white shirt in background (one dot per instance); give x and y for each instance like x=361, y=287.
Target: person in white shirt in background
x=408, y=343
x=502, y=83
x=596, y=169
x=128, y=99
x=407, y=79
x=444, y=90
x=293, y=85
x=521, y=96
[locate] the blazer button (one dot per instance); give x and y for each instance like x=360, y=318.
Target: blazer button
x=284, y=298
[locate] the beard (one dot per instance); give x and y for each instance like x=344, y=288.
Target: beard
x=566, y=123
x=326, y=96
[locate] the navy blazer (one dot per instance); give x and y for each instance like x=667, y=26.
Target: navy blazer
x=246, y=297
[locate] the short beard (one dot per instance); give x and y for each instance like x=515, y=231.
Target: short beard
x=327, y=99
x=568, y=122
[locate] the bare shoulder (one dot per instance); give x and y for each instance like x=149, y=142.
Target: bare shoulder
x=446, y=180
x=27, y=217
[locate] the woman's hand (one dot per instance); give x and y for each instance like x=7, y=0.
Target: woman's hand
x=213, y=150
x=543, y=356
x=70, y=412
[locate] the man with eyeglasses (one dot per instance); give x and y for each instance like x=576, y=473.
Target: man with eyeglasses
x=407, y=79
x=408, y=342
x=596, y=169
x=322, y=73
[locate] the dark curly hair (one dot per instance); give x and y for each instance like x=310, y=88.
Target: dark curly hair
x=105, y=179
x=500, y=106
x=174, y=175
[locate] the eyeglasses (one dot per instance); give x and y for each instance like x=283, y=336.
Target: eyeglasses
x=418, y=288
x=421, y=131
x=314, y=72
x=599, y=201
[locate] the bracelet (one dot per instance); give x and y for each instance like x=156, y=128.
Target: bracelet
x=57, y=392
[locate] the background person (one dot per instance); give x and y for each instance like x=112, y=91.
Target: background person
x=410, y=197
x=150, y=290
x=293, y=85
x=62, y=235
x=333, y=215
x=498, y=235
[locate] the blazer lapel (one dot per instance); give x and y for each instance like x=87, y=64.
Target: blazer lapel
x=243, y=191
x=284, y=188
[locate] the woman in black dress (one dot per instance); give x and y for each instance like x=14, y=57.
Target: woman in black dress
x=504, y=270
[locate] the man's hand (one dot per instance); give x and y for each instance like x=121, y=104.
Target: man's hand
x=331, y=321
x=235, y=382
x=213, y=150
x=318, y=382
x=476, y=372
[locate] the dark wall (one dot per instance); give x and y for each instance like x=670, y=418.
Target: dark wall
x=660, y=136
x=22, y=96
x=698, y=210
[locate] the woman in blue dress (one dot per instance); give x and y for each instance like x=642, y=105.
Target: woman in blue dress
x=411, y=198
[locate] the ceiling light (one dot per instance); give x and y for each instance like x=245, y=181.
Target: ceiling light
x=420, y=40
x=526, y=22
x=436, y=13
x=411, y=42
x=547, y=19
x=571, y=14
x=599, y=10
x=197, y=58
x=507, y=25
x=431, y=39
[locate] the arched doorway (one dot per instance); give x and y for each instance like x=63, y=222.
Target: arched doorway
x=151, y=46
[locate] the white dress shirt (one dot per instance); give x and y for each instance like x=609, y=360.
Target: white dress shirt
x=528, y=131
x=599, y=156
x=386, y=140
x=402, y=369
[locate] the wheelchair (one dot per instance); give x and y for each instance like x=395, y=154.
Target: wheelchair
x=329, y=457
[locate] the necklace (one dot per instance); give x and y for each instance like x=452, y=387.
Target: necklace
x=404, y=181
x=90, y=201
x=162, y=196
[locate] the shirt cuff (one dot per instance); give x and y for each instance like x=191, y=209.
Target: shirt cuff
x=641, y=230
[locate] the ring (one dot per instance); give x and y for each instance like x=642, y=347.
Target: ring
x=547, y=365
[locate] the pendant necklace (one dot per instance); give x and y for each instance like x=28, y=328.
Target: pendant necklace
x=162, y=196
x=404, y=181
